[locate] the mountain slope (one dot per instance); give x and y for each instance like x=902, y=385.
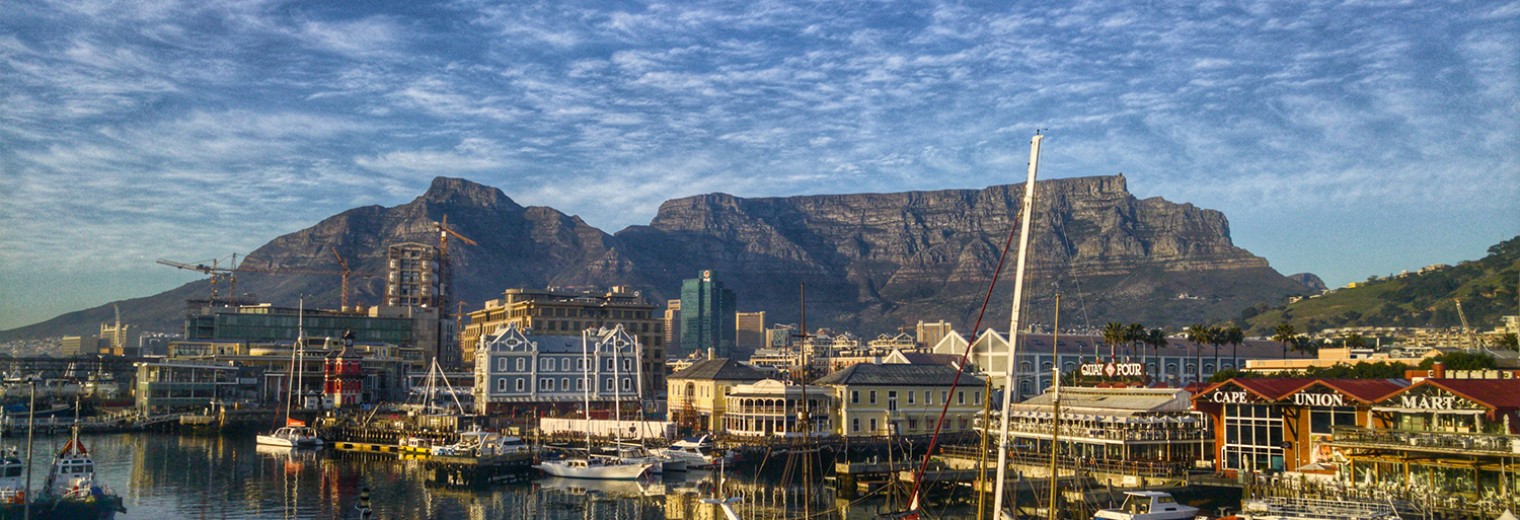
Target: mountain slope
x=1486, y=287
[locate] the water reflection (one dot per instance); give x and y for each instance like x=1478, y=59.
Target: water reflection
x=164, y=475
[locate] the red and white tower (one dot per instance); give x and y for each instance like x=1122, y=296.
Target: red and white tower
x=343, y=375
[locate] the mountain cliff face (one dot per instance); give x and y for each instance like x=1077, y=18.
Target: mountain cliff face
x=870, y=262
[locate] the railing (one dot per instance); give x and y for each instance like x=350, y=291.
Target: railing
x=1122, y=467
x=1466, y=442
x=1118, y=434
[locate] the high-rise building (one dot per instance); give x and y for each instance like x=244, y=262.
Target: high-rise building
x=707, y=316
x=412, y=275
x=749, y=330
x=673, y=325
x=567, y=313
x=929, y=334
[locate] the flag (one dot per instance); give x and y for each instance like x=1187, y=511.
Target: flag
x=294, y=422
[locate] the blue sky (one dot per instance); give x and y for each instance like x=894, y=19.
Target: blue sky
x=1345, y=139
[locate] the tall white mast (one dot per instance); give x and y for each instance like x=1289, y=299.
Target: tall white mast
x=586, y=374
x=1009, y=382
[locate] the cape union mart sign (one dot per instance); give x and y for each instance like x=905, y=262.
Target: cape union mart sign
x=1112, y=369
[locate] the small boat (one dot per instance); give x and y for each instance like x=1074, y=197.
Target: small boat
x=12, y=477
x=1148, y=505
x=478, y=443
x=294, y=435
x=595, y=468
x=697, y=453
x=71, y=490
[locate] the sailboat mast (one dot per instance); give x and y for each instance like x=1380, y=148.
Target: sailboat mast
x=1009, y=383
x=1055, y=416
x=617, y=395
x=586, y=374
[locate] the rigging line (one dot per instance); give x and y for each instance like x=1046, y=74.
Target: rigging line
x=1071, y=266
x=965, y=355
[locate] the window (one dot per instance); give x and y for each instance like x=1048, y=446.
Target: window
x=627, y=384
x=873, y=426
x=855, y=399
x=521, y=364
x=978, y=395
x=960, y=397
x=521, y=384
x=912, y=422
x=610, y=365
x=501, y=385
x=564, y=365
x=607, y=385
x=910, y=397
x=545, y=365
x=928, y=398
x=855, y=424
x=873, y=401
x=580, y=383
x=944, y=396
x=545, y=384
x=628, y=365
x=564, y=383
x=501, y=364
x=892, y=400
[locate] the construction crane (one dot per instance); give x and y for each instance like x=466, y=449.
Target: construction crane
x=215, y=271
x=446, y=263
x=343, y=293
x=1467, y=334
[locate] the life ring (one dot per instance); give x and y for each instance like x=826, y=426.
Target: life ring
x=18, y=498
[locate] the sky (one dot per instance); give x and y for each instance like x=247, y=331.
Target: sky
x=1346, y=139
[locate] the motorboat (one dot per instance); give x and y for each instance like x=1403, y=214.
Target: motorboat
x=12, y=477
x=294, y=435
x=595, y=467
x=1148, y=505
x=696, y=453
x=71, y=490
x=482, y=444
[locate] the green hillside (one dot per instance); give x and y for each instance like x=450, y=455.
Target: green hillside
x=1486, y=287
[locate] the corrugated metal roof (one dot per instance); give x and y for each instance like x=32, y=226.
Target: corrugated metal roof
x=719, y=369
x=898, y=375
x=1500, y=394
x=1278, y=388
x=1114, y=399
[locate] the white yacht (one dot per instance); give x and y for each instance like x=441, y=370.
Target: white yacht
x=1149, y=505
x=478, y=443
x=595, y=467
x=294, y=435
x=696, y=453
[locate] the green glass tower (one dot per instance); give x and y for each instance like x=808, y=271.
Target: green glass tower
x=707, y=316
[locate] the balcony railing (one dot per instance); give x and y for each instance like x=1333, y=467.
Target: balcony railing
x=1446, y=441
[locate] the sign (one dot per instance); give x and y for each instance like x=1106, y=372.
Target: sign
x=1112, y=370
x=1231, y=397
x=1428, y=402
x=1308, y=399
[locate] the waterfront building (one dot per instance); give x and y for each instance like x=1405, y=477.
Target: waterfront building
x=771, y=408
x=1177, y=364
x=1329, y=357
x=902, y=399
x=80, y=346
x=887, y=342
x=170, y=386
x=412, y=275
x=697, y=395
x=567, y=313
x=707, y=316
x=518, y=371
x=1155, y=425
x=749, y=331
x=1282, y=424
x=383, y=366
x=1443, y=437
x=405, y=327
x=781, y=336
x=343, y=376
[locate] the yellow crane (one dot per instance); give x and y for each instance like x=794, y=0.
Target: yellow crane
x=444, y=232
x=343, y=292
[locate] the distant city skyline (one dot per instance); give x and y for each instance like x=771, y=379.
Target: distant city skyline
x=1346, y=140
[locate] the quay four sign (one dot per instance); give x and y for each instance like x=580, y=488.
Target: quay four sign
x=1112, y=369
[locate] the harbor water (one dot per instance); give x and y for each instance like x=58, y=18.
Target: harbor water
x=166, y=475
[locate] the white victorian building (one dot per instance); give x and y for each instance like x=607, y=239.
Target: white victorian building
x=517, y=371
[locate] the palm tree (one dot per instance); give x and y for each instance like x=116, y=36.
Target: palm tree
x=1198, y=333
x=1216, y=336
x=1133, y=334
x=1156, y=338
x=1113, y=333
x=1234, y=336
x=1284, y=333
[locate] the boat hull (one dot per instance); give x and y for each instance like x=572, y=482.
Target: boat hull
x=594, y=472
x=102, y=507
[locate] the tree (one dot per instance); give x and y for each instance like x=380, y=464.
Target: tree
x=1283, y=334
x=1198, y=333
x=1355, y=340
x=1509, y=341
x=1113, y=333
x=1216, y=338
x=1234, y=336
x=1132, y=335
x=1156, y=339
x=1461, y=361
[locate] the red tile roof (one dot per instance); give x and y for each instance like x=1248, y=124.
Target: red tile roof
x=1500, y=394
x=1366, y=390
x=1275, y=389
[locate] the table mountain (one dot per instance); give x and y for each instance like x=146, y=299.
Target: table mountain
x=871, y=262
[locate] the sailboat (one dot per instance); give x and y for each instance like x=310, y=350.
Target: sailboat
x=592, y=466
x=295, y=433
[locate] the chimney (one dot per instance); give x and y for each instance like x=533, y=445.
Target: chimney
x=709, y=352
x=1438, y=370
